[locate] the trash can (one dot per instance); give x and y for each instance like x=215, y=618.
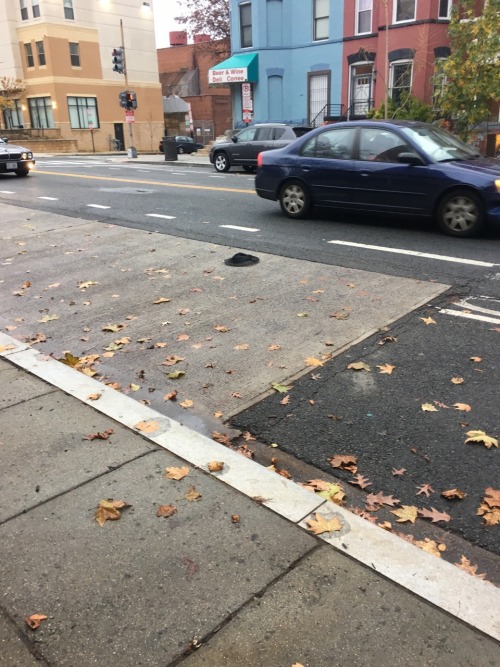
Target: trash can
x=169, y=148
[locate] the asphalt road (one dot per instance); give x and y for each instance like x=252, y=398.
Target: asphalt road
x=335, y=410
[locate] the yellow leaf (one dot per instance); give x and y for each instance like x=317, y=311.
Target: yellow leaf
x=162, y=299
x=215, y=466
x=134, y=387
x=90, y=372
x=405, y=513
x=453, y=494
x=193, y=495
x=177, y=473
x=94, y=397
x=462, y=406
x=109, y=510
x=386, y=368
x=428, y=407
x=243, y=346
x=186, y=404
x=321, y=524
x=48, y=318
x=428, y=320
x=480, y=436
x=83, y=286
x=359, y=366
x=312, y=361
x=430, y=546
x=147, y=427
x=457, y=380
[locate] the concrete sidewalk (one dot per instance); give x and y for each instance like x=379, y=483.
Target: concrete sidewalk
x=194, y=159
x=233, y=577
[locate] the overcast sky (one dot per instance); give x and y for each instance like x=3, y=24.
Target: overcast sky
x=164, y=12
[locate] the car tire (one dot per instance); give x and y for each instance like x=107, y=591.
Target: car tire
x=22, y=172
x=294, y=200
x=221, y=162
x=460, y=213
x=181, y=150
x=249, y=169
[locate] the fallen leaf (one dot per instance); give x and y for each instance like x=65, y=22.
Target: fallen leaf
x=387, y=339
x=161, y=345
x=386, y=368
x=171, y=396
x=360, y=481
x=235, y=518
x=221, y=328
x=302, y=314
x=492, y=497
x=103, y=435
x=83, y=286
x=215, y=466
x=428, y=407
x=430, y=546
x=467, y=566
x=462, y=406
x=147, y=427
x=114, y=328
x=109, y=510
x=273, y=348
x=398, y=471
x=49, y=318
x=426, y=489
x=134, y=387
x=177, y=473
x=427, y=320
x=280, y=387
x=242, y=346
x=491, y=515
x=223, y=438
x=162, y=299
x=480, y=436
x=453, y=494
x=285, y=400
x=193, y=495
x=340, y=315
x=312, y=361
x=476, y=359
x=359, y=366
x=344, y=461
x=166, y=510
x=321, y=524
x=434, y=515
x=457, y=380
x=188, y=403
x=172, y=360
x=34, y=620
x=70, y=360
x=245, y=451
x=175, y=375
x=405, y=513
x=380, y=499
x=247, y=436
x=94, y=397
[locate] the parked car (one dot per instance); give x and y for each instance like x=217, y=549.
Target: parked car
x=184, y=145
x=389, y=167
x=15, y=159
x=244, y=146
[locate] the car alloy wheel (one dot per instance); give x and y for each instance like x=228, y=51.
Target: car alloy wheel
x=294, y=200
x=221, y=163
x=460, y=214
x=180, y=150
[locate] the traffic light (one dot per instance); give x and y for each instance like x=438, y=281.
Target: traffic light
x=118, y=60
x=131, y=100
x=123, y=99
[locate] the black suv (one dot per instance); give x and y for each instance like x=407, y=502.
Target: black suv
x=184, y=145
x=244, y=146
x=16, y=159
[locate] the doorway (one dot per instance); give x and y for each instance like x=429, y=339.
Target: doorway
x=119, y=136
x=361, y=90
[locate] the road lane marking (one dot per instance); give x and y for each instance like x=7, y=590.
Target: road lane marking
x=415, y=253
x=165, y=185
x=470, y=316
x=49, y=198
x=466, y=303
x=7, y=192
x=241, y=229
x=97, y=206
x=158, y=215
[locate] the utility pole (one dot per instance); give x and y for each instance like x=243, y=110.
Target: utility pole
x=132, y=151
x=386, y=74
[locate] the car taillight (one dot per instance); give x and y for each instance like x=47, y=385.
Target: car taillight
x=259, y=160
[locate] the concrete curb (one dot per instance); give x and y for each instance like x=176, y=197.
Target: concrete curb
x=472, y=600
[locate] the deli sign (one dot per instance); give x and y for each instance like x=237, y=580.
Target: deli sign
x=230, y=75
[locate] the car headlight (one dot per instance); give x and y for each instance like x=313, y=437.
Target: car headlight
x=30, y=156
x=24, y=156
x=497, y=184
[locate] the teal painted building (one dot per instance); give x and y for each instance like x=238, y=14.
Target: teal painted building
x=286, y=62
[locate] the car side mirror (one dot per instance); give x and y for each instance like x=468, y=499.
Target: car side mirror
x=5, y=139
x=410, y=158
x=234, y=138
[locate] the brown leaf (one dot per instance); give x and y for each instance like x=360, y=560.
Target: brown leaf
x=102, y=435
x=109, y=510
x=380, y=499
x=223, y=438
x=467, y=566
x=312, y=361
x=492, y=497
x=434, y=515
x=425, y=488
x=476, y=359
x=457, y=380
x=344, y=461
x=94, y=397
x=247, y=436
x=360, y=481
x=235, y=518
x=453, y=494
x=340, y=315
x=398, y=471
x=285, y=400
x=273, y=348
x=321, y=524
x=193, y=495
x=162, y=299
x=427, y=320
x=34, y=620
x=359, y=366
x=171, y=396
x=480, y=436
x=387, y=339
x=405, y=513
x=172, y=360
x=114, y=328
x=430, y=546
x=177, y=473
x=242, y=346
x=221, y=328
x=166, y=510
x=147, y=427
x=245, y=451
x=215, y=466
x=462, y=406
x=386, y=368
x=188, y=403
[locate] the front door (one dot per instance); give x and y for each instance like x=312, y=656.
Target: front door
x=361, y=91
x=119, y=136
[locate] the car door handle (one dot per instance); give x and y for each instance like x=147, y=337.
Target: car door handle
x=364, y=173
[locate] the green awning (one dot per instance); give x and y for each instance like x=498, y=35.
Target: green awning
x=239, y=68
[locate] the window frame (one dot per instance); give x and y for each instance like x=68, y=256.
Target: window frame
x=74, y=57
x=40, y=53
x=69, y=11
x=245, y=14
x=15, y=113
x=34, y=105
x=23, y=6
x=35, y=8
x=393, y=65
x=28, y=52
x=79, y=110
x=395, y=13
x=359, y=11
x=448, y=11
x=318, y=20
x=310, y=148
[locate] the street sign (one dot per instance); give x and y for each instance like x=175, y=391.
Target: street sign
x=130, y=116
x=91, y=125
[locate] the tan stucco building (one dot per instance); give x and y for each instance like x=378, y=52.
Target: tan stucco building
x=62, y=50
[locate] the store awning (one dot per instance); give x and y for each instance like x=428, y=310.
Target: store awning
x=174, y=104
x=240, y=68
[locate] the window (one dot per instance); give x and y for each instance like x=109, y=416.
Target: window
x=74, y=53
x=40, y=53
x=400, y=81
x=30, y=61
x=24, y=9
x=333, y=145
x=36, y=8
x=246, y=25
x=321, y=19
x=364, y=16
x=82, y=112
x=380, y=145
x=13, y=117
x=444, y=9
x=41, y=112
x=318, y=94
x=247, y=135
x=68, y=10
x=404, y=10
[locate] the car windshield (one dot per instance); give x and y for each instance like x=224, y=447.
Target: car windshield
x=440, y=145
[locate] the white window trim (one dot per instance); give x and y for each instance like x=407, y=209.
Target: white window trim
x=394, y=13
x=391, y=73
x=448, y=15
x=356, y=20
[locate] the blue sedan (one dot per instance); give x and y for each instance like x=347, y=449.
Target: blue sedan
x=390, y=167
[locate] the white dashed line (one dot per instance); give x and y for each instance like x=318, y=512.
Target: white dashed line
x=49, y=198
x=415, y=253
x=97, y=206
x=241, y=229
x=470, y=316
x=7, y=192
x=158, y=215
